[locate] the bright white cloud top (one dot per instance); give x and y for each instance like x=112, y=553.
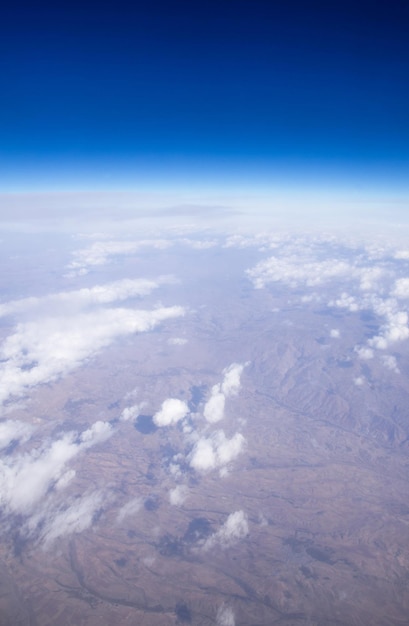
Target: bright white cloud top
x=171, y=412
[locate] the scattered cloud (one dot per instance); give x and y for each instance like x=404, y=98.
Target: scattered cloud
x=43, y=350
x=73, y=517
x=215, y=451
x=26, y=479
x=101, y=252
x=335, y=333
x=296, y=270
x=225, y=616
x=390, y=363
x=172, y=411
x=129, y=509
x=14, y=431
x=364, y=353
x=80, y=299
x=177, y=341
x=178, y=495
x=235, y=528
x=214, y=407
x=371, y=275
x=130, y=413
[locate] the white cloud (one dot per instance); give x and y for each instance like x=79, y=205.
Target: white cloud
x=395, y=329
x=178, y=495
x=177, y=341
x=43, y=350
x=225, y=616
x=100, y=252
x=335, y=333
x=390, y=363
x=172, y=411
x=364, y=353
x=84, y=298
x=11, y=430
x=235, y=528
x=359, y=381
x=402, y=254
x=401, y=289
x=214, y=407
x=215, y=451
x=26, y=479
x=231, y=381
x=295, y=270
x=130, y=413
x=131, y=508
x=346, y=301
x=75, y=517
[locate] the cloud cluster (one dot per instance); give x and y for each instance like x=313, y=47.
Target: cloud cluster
x=367, y=279
x=296, y=271
x=235, y=528
x=171, y=412
x=214, y=407
x=215, y=451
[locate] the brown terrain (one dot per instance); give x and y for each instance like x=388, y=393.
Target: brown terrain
x=323, y=479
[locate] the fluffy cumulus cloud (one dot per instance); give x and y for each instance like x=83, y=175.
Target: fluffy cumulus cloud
x=130, y=413
x=171, y=412
x=214, y=407
x=225, y=616
x=235, y=528
x=230, y=385
x=178, y=495
x=215, y=451
x=43, y=350
x=335, y=333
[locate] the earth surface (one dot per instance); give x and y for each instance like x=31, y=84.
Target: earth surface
x=204, y=428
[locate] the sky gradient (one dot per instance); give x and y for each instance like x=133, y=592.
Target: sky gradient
x=252, y=95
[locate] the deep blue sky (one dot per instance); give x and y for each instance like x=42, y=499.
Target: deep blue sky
x=120, y=95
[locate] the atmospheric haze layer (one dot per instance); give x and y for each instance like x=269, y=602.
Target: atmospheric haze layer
x=204, y=313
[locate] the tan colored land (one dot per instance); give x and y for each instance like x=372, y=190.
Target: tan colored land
x=323, y=482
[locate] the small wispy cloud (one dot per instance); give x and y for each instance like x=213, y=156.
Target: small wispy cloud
x=130, y=509
x=225, y=616
x=235, y=528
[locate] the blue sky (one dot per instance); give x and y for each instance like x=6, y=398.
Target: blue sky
x=205, y=95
